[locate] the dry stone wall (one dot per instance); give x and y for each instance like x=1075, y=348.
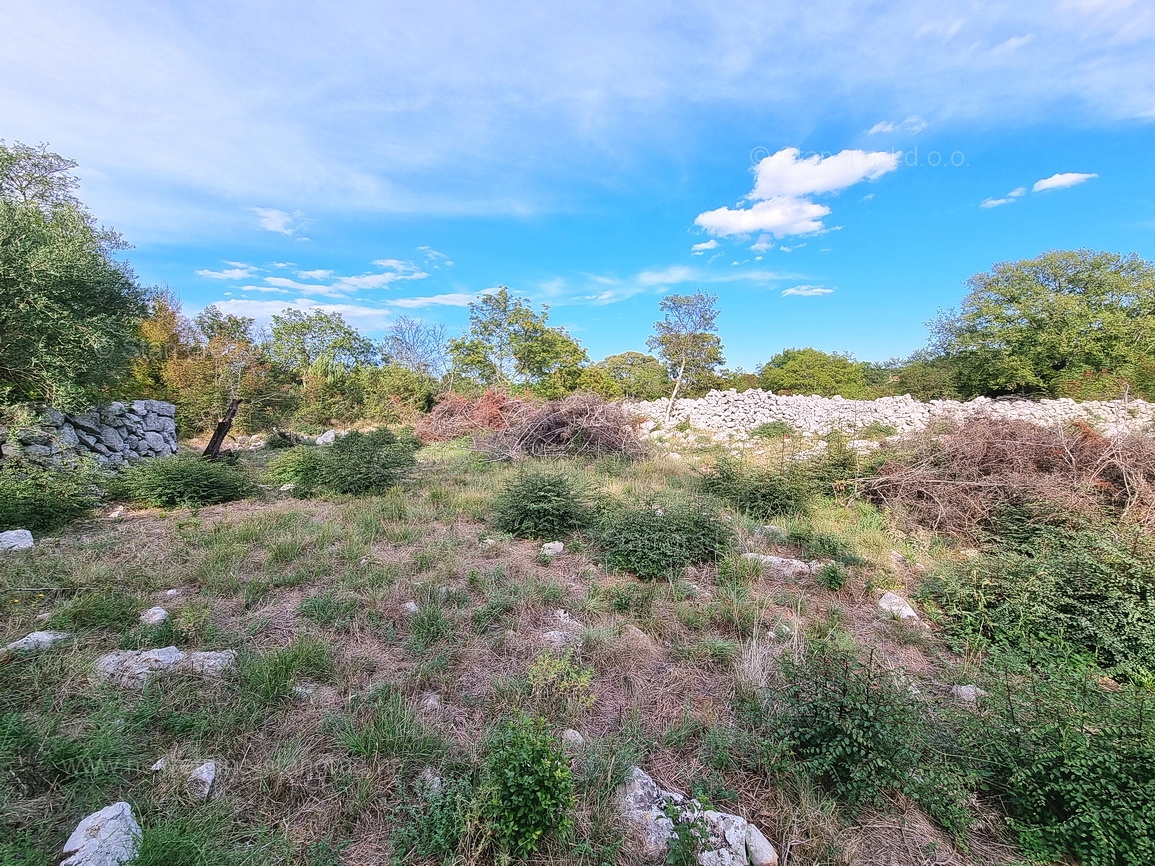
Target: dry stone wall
x=113, y=434
x=736, y=413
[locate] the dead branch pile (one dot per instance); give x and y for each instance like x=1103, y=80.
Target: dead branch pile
x=579, y=425
x=954, y=483
x=455, y=416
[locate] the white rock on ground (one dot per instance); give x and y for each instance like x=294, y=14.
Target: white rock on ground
x=428, y=781
x=410, y=608
x=967, y=694
x=16, y=539
x=109, y=837
x=571, y=737
x=154, y=616
x=781, y=566
x=730, y=840
x=200, y=780
x=553, y=548
x=136, y=667
x=160, y=766
x=430, y=701
x=893, y=603
x=35, y=641
x=561, y=639
x=327, y=438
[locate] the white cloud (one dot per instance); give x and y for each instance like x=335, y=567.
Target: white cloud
x=1017, y=192
x=806, y=291
x=699, y=249
x=267, y=289
x=362, y=317
x=240, y=272
x=452, y=299
x=995, y=202
x=1015, y=42
x=315, y=275
x=782, y=183
x=667, y=276
x=433, y=258
x=1061, y=181
x=913, y=125
x=273, y=220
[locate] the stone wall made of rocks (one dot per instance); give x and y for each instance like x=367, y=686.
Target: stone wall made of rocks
x=738, y=413
x=112, y=434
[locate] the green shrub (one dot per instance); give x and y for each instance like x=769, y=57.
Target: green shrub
x=184, y=481
x=1090, y=589
x=823, y=545
x=1072, y=763
x=40, y=499
x=856, y=730
x=832, y=576
x=526, y=785
x=757, y=492
x=658, y=539
x=355, y=464
x=540, y=504
x=775, y=430
x=432, y=824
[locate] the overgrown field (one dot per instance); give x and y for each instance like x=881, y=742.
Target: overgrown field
x=393, y=614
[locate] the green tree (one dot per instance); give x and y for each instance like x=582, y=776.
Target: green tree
x=69, y=310
x=299, y=340
x=637, y=376
x=509, y=344
x=213, y=322
x=687, y=341
x=812, y=371
x=1033, y=325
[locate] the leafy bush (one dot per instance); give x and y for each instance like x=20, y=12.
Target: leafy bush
x=775, y=430
x=540, y=504
x=356, y=463
x=859, y=733
x=184, y=480
x=1089, y=589
x=823, y=545
x=755, y=491
x=527, y=785
x=831, y=576
x=657, y=539
x=1072, y=763
x=433, y=824
x=40, y=499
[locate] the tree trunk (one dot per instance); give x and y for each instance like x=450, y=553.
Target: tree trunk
x=673, y=396
x=214, y=449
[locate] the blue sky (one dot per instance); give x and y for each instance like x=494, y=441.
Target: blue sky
x=833, y=171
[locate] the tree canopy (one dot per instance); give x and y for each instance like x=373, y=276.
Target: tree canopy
x=1042, y=325
x=69, y=310
x=300, y=340
x=686, y=340
x=812, y=371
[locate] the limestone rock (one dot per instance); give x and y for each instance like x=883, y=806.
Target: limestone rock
x=896, y=605
x=431, y=702
x=758, y=848
x=410, y=608
x=110, y=837
x=428, y=781
x=571, y=737
x=552, y=548
x=781, y=566
x=154, y=616
x=200, y=780
x=16, y=539
x=160, y=766
x=327, y=438
x=968, y=694
x=133, y=668
x=642, y=805
x=33, y=642
x=561, y=639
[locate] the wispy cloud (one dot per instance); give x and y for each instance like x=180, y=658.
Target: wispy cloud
x=784, y=183
x=699, y=249
x=452, y=299
x=273, y=220
x=237, y=272
x=806, y=291
x=1061, y=181
x=913, y=125
x=1017, y=192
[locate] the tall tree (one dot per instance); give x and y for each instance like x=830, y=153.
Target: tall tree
x=812, y=371
x=637, y=376
x=299, y=340
x=69, y=310
x=1032, y=325
x=416, y=345
x=508, y=343
x=687, y=340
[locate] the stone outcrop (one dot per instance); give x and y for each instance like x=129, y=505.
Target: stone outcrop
x=113, y=434
x=16, y=539
x=109, y=837
x=733, y=414
x=133, y=668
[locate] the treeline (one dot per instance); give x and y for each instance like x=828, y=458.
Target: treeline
x=76, y=327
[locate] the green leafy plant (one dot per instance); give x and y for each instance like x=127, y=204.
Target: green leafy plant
x=433, y=824
x=755, y=491
x=540, y=504
x=184, y=480
x=659, y=538
x=41, y=499
x=831, y=576
x=355, y=464
x=526, y=787
x=774, y=430
x=689, y=831
x=559, y=685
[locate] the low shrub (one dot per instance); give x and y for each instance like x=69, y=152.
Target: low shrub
x=433, y=824
x=1091, y=589
x=355, y=464
x=540, y=504
x=526, y=785
x=660, y=538
x=757, y=492
x=183, y=481
x=823, y=545
x=831, y=576
x=40, y=499
x=853, y=727
x=775, y=430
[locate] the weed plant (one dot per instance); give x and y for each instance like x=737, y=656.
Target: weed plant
x=757, y=492
x=355, y=464
x=41, y=499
